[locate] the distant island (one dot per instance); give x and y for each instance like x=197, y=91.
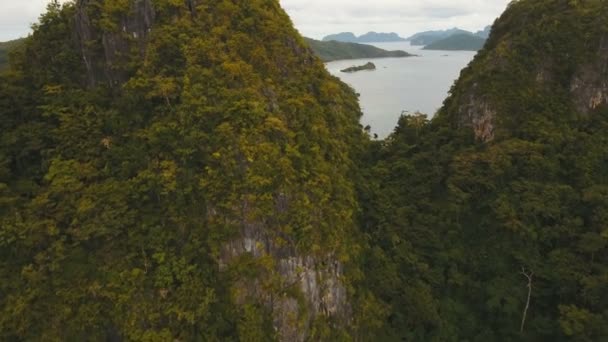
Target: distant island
x=458, y=42
x=430, y=37
x=367, y=66
x=370, y=37
x=334, y=50
x=5, y=48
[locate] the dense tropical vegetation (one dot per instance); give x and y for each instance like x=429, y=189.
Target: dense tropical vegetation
x=500, y=234
x=177, y=182
x=124, y=178
x=5, y=49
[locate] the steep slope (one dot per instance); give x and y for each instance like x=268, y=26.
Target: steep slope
x=558, y=82
x=458, y=42
x=334, y=50
x=175, y=170
x=490, y=220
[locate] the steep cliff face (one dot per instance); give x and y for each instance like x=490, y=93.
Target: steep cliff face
x=299, y=285
x=105, y=52
x=500, y=91
x=229, y=149
x=589, y=85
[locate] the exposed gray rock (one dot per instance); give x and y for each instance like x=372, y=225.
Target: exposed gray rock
x=131, y=32
x=479, y=115
x=589, y=86
x=316, y=280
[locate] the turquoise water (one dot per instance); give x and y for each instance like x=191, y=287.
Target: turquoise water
x=402, y=84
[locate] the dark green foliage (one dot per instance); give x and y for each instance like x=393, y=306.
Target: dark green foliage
x=117, y=199
x=5, y=49
x=458, y=224
x=334, y=50
x=124, y=177
x=366, y=66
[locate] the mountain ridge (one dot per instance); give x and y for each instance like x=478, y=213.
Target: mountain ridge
x=458, y=42
x=370, y=37
x=333, y=50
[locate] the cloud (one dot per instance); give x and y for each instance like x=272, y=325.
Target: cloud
x=16, y=17
x=317, y=18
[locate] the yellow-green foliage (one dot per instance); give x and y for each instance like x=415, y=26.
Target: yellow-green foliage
x=458, y=225
x=117, y=200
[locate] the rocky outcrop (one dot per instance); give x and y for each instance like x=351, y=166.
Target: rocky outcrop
x=297, y=288
x=477, y=113
x=505, y=85
x=130, y=30
x=589, y=86
x=107, y=50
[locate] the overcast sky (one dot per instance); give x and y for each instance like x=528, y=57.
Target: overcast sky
x=317, y=18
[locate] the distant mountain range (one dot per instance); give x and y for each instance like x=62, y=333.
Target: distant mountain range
x=334, y=50
x=452, y=39
x=429, y=37
x=370, y=37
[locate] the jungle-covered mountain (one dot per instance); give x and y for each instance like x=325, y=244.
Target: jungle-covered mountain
x=488, y=222
x=188, y=170
x=177, y=170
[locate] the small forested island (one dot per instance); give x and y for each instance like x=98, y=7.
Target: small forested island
x=367, y=66
x=458, y=42
x=333, y=50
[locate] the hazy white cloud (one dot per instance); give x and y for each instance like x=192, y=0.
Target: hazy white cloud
x=317, y=18
x=17, y=16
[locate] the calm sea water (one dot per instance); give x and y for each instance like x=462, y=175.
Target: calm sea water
x=402, y=84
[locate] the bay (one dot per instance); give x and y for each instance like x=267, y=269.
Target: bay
x=407, y=84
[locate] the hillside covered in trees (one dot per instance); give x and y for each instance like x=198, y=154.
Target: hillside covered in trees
x=176, y=171
x=489, y=222
x=189, y=171
x=458, y=42
x=333, y=50
x=5, y=49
